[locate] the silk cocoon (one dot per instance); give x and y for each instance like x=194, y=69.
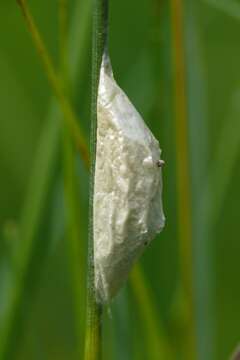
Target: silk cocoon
x=128, y=210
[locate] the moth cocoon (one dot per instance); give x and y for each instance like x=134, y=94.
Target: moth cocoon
x=128, y=209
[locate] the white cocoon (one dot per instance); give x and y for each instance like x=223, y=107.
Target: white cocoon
x=128, y=187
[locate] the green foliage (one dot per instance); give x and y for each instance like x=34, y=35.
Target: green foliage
x=40, y=310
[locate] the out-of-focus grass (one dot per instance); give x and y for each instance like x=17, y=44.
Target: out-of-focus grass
x=140, y=50
x=231, y=8
x=34, y=211
x=71, y=191
x=184, y=200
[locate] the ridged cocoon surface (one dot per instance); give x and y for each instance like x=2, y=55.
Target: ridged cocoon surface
x=128, y=187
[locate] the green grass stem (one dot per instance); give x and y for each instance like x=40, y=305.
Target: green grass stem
x=71, y=191
x=54, y=80
x=156, y=339
x=41, y=184
x=93, y=348
x=183, y=171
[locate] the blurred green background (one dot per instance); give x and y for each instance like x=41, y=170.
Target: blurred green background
x=42, y=312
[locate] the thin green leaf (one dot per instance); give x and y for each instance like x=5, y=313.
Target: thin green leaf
x=39, y=189
x=229, y=7
x=157, y=342
x=183, y=172
x=199, y=145
x=226, y=157
x=69, y=114
x=71, y=191
x=93, y=338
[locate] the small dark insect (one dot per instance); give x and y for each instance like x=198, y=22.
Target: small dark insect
x=160, y=163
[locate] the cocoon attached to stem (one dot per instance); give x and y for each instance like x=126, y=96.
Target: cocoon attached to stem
x=128, y=209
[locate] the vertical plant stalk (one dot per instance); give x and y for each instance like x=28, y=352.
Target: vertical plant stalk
x=94, y=310
x=69, y=115
x=71, y=193
x=183, y=170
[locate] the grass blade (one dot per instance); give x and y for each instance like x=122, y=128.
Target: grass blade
x=40, y=186
x=183, y=172
x=229, y=7
x=93, y=345
x=56, y=84
x=218, y=180
x=199, y=145
x=158, y=347
x=71, y=191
